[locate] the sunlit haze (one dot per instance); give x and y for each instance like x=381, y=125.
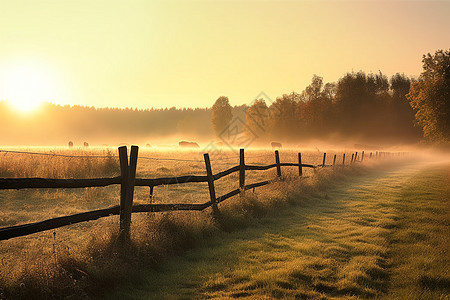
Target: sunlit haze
x=188, y=53
x=26, y=87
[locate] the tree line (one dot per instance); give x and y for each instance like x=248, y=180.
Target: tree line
x=359, y=107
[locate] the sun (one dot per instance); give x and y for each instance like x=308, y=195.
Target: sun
x=26, y=88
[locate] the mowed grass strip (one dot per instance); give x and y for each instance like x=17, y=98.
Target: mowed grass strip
x=420, y=241
x=330, y=243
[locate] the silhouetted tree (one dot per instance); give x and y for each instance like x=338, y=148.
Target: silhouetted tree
x=317, y=107
x=283, y=118
x=257, y=119
x=351, y=90
x=430, y=96
x=401, y=113
x=221, y=114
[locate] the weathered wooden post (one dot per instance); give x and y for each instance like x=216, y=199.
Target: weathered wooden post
x=343, y=159
x=241, y=172
x=362, y=156
x=323, y=161
x=123, y=159
x=300, y=167
x=151, y=193
x=370, y=155
x=334, y=160
x=212, y=191
x=128, y=176
x=356, y=155
x=351, y=161
x=277, y=161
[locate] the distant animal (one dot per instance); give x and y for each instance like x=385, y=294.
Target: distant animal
x=85, y=144
x=70, y=144
x=275, y=145
x=186, y=144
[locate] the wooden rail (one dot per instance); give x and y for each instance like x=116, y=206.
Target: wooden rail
x=128, y=181
x=39, y=183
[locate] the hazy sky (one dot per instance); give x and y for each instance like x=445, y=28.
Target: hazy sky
x=188, y=53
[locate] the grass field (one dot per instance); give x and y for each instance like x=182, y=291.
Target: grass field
x=330, y=235
x=56, y=261
x=381, y=235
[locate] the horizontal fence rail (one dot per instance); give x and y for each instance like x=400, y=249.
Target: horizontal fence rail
x=127, y=181
x=44, y=183
x=170, y=180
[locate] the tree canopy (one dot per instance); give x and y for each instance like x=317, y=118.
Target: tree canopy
x=430, y=97
x=221, y=114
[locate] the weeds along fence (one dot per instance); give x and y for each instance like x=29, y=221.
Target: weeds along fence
x=127, y=181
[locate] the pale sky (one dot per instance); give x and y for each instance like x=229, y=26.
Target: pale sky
x=188, y=53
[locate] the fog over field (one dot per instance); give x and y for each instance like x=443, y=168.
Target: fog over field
x=213, y=149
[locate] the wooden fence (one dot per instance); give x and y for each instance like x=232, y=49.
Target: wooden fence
x=128, y=181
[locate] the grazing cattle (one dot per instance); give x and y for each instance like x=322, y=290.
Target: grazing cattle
x=275, y=145
x=70, y=144
x=185, y=144
x=85, y=144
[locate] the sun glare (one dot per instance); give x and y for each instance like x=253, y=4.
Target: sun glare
x=26, y=88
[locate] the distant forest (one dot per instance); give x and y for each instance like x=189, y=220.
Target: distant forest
x=57, y=125
x=366, y=108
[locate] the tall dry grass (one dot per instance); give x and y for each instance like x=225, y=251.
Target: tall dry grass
x=59, y=163
x=84, y=260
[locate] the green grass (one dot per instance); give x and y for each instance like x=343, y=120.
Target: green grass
x=328, y=236
x=381, y=235
x=420, y=241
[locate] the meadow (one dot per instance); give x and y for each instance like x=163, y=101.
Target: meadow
x=45, y=263
x=347, y=239
x=293, y=238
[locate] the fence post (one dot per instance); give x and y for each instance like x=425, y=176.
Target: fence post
x=151, y=193
x=356, y=155
x=343, y=159
x=123, y=158
x=241, y=172
x=353, y=155
x=324, y=157
x=128, y=175
x=370, y=155
x=212, y=191
x=362, y=156
x=300, y=167
x=277, y=161
x=334, y=160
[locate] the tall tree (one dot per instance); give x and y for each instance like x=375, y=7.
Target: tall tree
x=430, y=96
x=221, y=114
x=283, y=117
x=257, y=119
x=401, y=114
x=317, y=109
x=351, y=92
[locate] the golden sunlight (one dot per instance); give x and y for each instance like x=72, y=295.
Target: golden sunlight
x=26, y=87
